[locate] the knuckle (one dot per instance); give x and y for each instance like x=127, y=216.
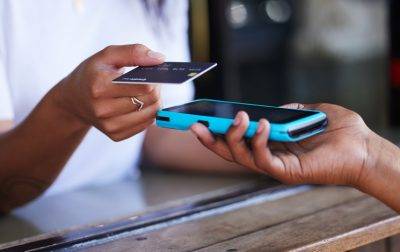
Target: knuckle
x=157, y=95
x=101, y=77
x=135, y=48
x=147, y=89
x=325, y=107
x=110, y=128
x=107, y=50
x=356, y=118
x=101, y=112
x=96, y=85
x=321, y=105
x=116, y=138
x=154, y=95
x=96, y=91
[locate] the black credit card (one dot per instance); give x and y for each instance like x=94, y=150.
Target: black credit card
x=166, y=73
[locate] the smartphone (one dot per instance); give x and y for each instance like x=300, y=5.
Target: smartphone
x=287, y=125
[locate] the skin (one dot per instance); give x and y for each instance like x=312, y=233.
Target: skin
x=33, y=153
x=347, y=153
x=86, y=98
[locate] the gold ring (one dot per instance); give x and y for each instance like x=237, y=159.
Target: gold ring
x=138, y=103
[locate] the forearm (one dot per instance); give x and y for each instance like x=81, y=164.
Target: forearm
x=180, y=150
x=382, y=172
x=34, y=152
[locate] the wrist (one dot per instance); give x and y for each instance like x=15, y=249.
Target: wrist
x=58, y=103
x=381, y=171
x=373, y=145
x=372, y=161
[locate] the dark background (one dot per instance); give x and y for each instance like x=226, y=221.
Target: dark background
x=270, y=52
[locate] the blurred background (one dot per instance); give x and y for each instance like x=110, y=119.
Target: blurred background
x=279, y=51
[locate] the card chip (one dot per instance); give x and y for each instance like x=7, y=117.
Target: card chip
x=192, y=74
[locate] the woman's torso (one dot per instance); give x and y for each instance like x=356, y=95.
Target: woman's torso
x=44, y=40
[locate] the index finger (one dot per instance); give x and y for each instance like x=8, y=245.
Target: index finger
x=129, y=55
x=214, y=144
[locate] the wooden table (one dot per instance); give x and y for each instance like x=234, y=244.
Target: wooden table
x=329, y=218
x=313, y=219
x=226, y=214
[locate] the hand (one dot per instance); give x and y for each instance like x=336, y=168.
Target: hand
x=88, y=94
x=337, y=156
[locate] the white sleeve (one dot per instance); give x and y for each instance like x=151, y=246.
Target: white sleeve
x=6, y=110
x=177, y=49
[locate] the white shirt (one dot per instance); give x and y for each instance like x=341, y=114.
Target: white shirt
x=41, y=41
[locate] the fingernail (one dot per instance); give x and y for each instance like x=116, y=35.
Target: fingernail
x=260, y=128
x=237, y=120
x=155, y=55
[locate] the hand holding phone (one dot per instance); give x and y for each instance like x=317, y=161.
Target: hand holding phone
x=338, y=155
x=287, y=125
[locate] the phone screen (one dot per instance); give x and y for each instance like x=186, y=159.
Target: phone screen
x=229, y=110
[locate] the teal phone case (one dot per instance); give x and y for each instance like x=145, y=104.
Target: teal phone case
x=217, y=125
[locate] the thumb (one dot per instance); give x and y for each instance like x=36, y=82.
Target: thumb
x=302, y=106
x=129, y=55
x=293, y=106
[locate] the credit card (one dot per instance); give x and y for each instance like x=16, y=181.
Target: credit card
x=175, y=73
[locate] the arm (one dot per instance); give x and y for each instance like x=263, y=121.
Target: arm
x=180, y=150
x=347, y=153
x=34, y=152
x=382, y=176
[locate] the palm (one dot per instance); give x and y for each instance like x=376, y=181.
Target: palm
x=324, y=158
